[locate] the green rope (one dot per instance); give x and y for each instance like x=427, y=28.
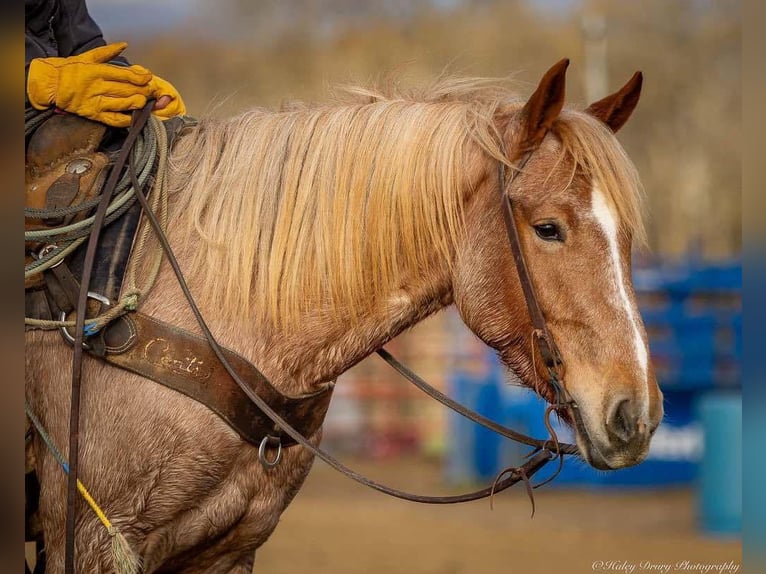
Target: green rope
x=153, y=143
x=64, y=238
x=49, y=260
x=46, y=438
x=85, y=224
x=34, y=213
x=34, y=118
x=126, y=561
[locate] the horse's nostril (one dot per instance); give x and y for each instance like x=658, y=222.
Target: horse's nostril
x=622, y=424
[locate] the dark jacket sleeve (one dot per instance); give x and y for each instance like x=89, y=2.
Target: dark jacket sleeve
x=76, y=32
x=60, y=28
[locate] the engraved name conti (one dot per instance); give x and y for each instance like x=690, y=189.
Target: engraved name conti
x=161, y=354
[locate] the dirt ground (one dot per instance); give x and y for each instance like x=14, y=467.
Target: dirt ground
x=336, y=526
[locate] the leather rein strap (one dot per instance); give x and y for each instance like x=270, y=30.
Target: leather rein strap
x=138, y=121
x=436, y=394
x=544, y=450
x=535, y=462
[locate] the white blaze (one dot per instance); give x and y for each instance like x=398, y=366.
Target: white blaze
x=606, y=219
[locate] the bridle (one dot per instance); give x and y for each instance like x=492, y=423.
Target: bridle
x=543, y=451
x=542, y=337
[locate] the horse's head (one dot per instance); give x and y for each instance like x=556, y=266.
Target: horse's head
x=576, y=209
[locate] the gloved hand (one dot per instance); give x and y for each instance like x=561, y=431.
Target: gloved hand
x=88, y=86
x=169, y=102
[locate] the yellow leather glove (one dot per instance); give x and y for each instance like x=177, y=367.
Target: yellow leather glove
x=164, y=89
x=88, y=86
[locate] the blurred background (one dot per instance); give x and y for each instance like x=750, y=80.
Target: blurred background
x=684, y=502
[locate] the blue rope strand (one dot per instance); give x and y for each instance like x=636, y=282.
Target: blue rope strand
x=46, y=438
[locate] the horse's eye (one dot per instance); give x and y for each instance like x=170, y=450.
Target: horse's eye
x=548, y=232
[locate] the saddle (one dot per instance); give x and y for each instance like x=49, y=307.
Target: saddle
x=67, y=160
x=64, y=168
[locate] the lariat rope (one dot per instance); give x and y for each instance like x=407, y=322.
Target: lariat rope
x=125, y=560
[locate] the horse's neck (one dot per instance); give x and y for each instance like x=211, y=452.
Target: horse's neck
x=319, y=351
x=323, y=346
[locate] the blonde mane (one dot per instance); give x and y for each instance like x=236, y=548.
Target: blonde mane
x=333, y=206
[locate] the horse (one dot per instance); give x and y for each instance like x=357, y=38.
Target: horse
x=313, y=234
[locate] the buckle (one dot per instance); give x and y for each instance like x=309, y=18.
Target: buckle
x=48, y=249
x=89, y=330
x=269, y=440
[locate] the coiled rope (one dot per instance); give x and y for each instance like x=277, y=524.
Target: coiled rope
x=150, y=152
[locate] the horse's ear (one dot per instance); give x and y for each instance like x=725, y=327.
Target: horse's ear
x=614, y=110
x=544, y=106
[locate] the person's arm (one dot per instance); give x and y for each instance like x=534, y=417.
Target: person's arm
x=90, y=78
x=76, y=32
x=63, y=28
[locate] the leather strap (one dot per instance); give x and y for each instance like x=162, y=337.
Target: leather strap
x=138, y=121
x=436, y=394
x=537, y=460
x=547, y=346
x=185, y=363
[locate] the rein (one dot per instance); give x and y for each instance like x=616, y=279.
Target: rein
x=437, y=395
x=138, y=122
x=549, y=448
x=543, y=451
